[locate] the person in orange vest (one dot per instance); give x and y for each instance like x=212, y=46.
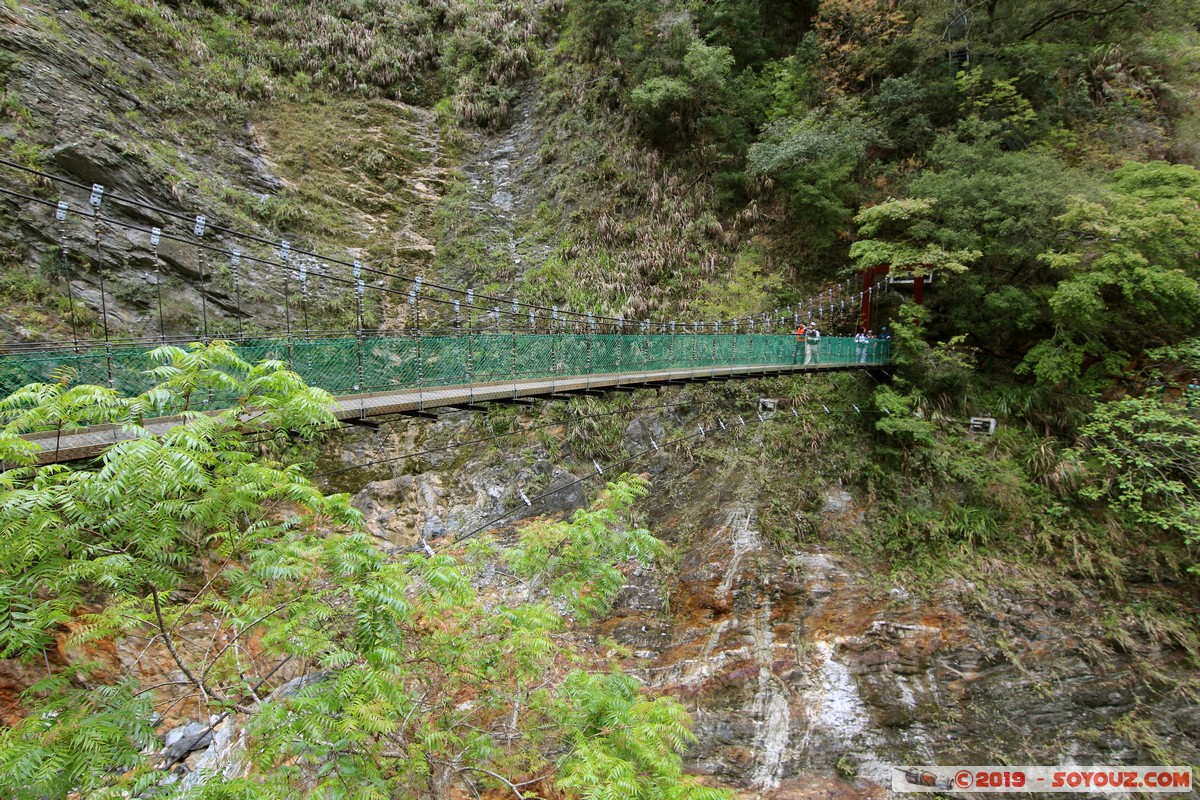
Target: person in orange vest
x=800, y=331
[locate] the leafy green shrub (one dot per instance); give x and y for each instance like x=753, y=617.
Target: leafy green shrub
x=1144, y=459
x=390, y=648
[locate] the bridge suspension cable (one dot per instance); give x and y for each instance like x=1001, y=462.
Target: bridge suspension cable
x=826, y=299
x=538, y=313
x=417, y=366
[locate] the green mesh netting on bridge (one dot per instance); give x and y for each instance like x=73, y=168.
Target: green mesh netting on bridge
x=354, y=365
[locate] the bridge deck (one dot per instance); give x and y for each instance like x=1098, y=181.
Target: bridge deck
x=88, y=442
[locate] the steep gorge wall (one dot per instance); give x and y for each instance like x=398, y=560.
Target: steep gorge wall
x=350, y=177
x=808, y=669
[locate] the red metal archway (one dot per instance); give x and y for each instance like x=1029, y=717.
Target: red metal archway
x=867, y=293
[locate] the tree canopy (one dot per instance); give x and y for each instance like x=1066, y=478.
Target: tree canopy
x=406, y=676
x=1128, y=275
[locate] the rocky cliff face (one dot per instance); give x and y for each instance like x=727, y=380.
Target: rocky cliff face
x=91, y=100
x=806, y=667
x=811, y=673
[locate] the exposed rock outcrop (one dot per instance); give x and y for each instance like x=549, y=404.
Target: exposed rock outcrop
x=802, y=664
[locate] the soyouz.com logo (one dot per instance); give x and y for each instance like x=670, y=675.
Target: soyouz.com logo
x=1042, y=779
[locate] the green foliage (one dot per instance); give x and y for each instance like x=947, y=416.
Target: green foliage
x=979, y=204
x=899, y=105
x=938, y=369
x=755, y=31
x=816, y=159
x=12, y=107
x=838, y=136
x=472, y=50
x=997, y=101
x=620, y=29
x=35, y=299
x=590, y=431
x=906, y=226
x=993, y=199
x=859, y=39
x=415, y=680
x=660, y=95
x=899, y=422
x=789, y=83
x=131, y=529
x=1129, y=276
x=749, y=289
x=676, y=104
x=626, y=745
x=577, y=559
x=75, y=741
x=931, y=381
x=1144, y=453
x=1102, y=487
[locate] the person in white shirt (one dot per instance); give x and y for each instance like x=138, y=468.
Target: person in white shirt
x=812, y=340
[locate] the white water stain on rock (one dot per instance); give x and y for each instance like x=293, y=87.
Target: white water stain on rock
x=740, y=523
x=838, y=711
x=770, y=707
x=839, y=722
x=501, y=179
x=712, y=659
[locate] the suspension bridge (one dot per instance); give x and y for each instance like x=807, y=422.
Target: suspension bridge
x=444, y=347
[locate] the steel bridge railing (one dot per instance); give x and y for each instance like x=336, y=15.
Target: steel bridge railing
x=367, y=364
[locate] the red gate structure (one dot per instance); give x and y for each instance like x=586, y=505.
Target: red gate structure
x=867, y=291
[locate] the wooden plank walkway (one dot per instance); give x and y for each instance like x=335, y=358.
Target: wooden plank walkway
x=91, y=441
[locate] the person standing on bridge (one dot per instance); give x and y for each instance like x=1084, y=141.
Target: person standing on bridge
x=812, y=341
x=883, y=348
x=860, y=342
x=800, y=330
